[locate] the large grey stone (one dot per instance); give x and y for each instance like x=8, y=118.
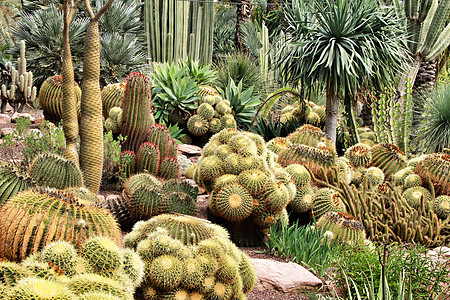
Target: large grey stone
x=5, y=119
x=286, y=277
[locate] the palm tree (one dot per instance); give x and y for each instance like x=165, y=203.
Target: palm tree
x=342, y=45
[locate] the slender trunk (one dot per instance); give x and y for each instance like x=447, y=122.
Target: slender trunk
x=91, y=127
x=69, y=102
x=332, y=113
x=243, y=13
x=350, y=120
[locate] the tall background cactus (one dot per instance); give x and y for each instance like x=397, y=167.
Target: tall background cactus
x=179, y=29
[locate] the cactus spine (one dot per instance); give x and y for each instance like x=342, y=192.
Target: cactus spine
x=137, y=111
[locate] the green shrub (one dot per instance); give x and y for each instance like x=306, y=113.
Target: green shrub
x=426, y=277
x=111, y=158
x=50, y=139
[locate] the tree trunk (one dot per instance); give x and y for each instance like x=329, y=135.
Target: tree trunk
x=350, y=120
x=69, y=102
x=332, y=113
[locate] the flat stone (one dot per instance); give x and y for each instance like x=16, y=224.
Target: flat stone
x=190, y=149
x=16, y=115
x=5, y=131
x=286, y=277
x=5, y=119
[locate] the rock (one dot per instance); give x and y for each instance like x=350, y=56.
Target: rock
x=443, y=251
x=190, y=149
x=16, y=115
x=5, y=119
x=101, y=198
x=286, y=277
x=5, y=131
x=194, y=159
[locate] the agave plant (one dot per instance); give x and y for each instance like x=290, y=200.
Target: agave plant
x=202, y=74
x=173, y=90
x=224, y=28
x=242, y=101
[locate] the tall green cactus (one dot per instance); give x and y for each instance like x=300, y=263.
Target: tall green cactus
x=176, y=30
x=392, y=121
x=429, y=28
x=91, y=125
x=137, y=111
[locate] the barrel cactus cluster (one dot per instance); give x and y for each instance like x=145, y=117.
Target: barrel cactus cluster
x=112, y=96
x=98, y=269
x=307, y=112
x=213, y=114
x=234, y=168
x=12, y=181
x=189, y=258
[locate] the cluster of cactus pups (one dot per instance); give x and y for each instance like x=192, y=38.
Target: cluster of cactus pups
x=189, y=258
x=98, y=269
x=213, y=115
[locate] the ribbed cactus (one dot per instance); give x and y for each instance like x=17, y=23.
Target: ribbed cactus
x=12, y=181
x=18, y=87
x=50, y=98
x=388, y=158
x=137, y=111
x=169, y=168
x=178, y=30
x=127, y=163
x=437, y=167
x=309, y=135
x=148, y=158
x=55, y=171
x=120, y=209
x=112, y=96
x=344, y=227
x=36, y=217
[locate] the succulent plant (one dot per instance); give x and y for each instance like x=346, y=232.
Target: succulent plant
x=11, y=273
x=325, y=200
x=388, y=158
x=412, y=181
x=112, y=96
x=400, y=176
x=209, y=267
x=40, y=289
x=120, y=208
x=102, y=254
x=61, y=217
x=137, y=111
x=309, y=135
x=12, y=181
x=414, y=195
x=55, y=171
x=343, y=226
x=148, y=158
x=50, y=98
x=84, y=283
x=303, y=200
x=359, y=155
x=375, y=176
x=441, y=206
x=197, y=125
x=61, y=254
x=437, y=167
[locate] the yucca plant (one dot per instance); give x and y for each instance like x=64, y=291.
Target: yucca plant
x=243, y=102
x=433, y=133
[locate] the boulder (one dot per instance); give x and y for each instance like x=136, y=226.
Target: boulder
x=16, y=115
x=286, y=277
x=5, y=119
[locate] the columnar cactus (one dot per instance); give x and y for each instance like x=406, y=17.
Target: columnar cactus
x=19, y=89
x=137, y=111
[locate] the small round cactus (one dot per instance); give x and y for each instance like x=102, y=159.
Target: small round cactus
x=102, y=254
